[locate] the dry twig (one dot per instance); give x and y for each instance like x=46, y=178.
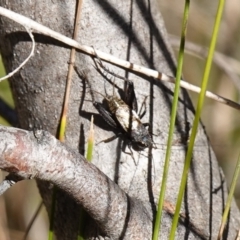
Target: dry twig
x=109, y=58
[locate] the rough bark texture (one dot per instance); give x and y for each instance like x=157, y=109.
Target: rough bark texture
x=131, y=30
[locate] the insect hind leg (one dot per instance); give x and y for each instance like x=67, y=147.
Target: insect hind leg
x=126, y=143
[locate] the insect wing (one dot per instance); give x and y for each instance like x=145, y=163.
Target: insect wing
x=130, y=97
x=124, y=117
x=105, y=114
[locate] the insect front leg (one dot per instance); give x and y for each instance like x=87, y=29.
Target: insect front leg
x=130, y=96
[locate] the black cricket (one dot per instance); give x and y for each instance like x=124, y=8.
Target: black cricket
x=122, y=113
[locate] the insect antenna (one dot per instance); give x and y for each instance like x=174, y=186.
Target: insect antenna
x=100, y=63
x=102, y=69
x=111, y=81
x=130, y=98
x=103, y=73
x=84, y=76
x=104, y=96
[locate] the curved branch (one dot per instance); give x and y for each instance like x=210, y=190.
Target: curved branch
x=40, y=155
x=26, y=60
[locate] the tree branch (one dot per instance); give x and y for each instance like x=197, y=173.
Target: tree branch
x=43, y=157
x=9, y=181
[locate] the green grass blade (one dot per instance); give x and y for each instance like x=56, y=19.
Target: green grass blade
x=90, y=142
x=172, y=123
x=197, y=118
x=90, y=146
x=229, y=199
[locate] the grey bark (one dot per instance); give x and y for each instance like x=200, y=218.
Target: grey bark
x=131, y=30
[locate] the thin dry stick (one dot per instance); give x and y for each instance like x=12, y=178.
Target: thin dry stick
x=109, y=58
x=26, y=60
x=229, y=65
x=34, y=217
x=66, y=101
x=70, y=72
x=238, y=235
x=66, y=97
